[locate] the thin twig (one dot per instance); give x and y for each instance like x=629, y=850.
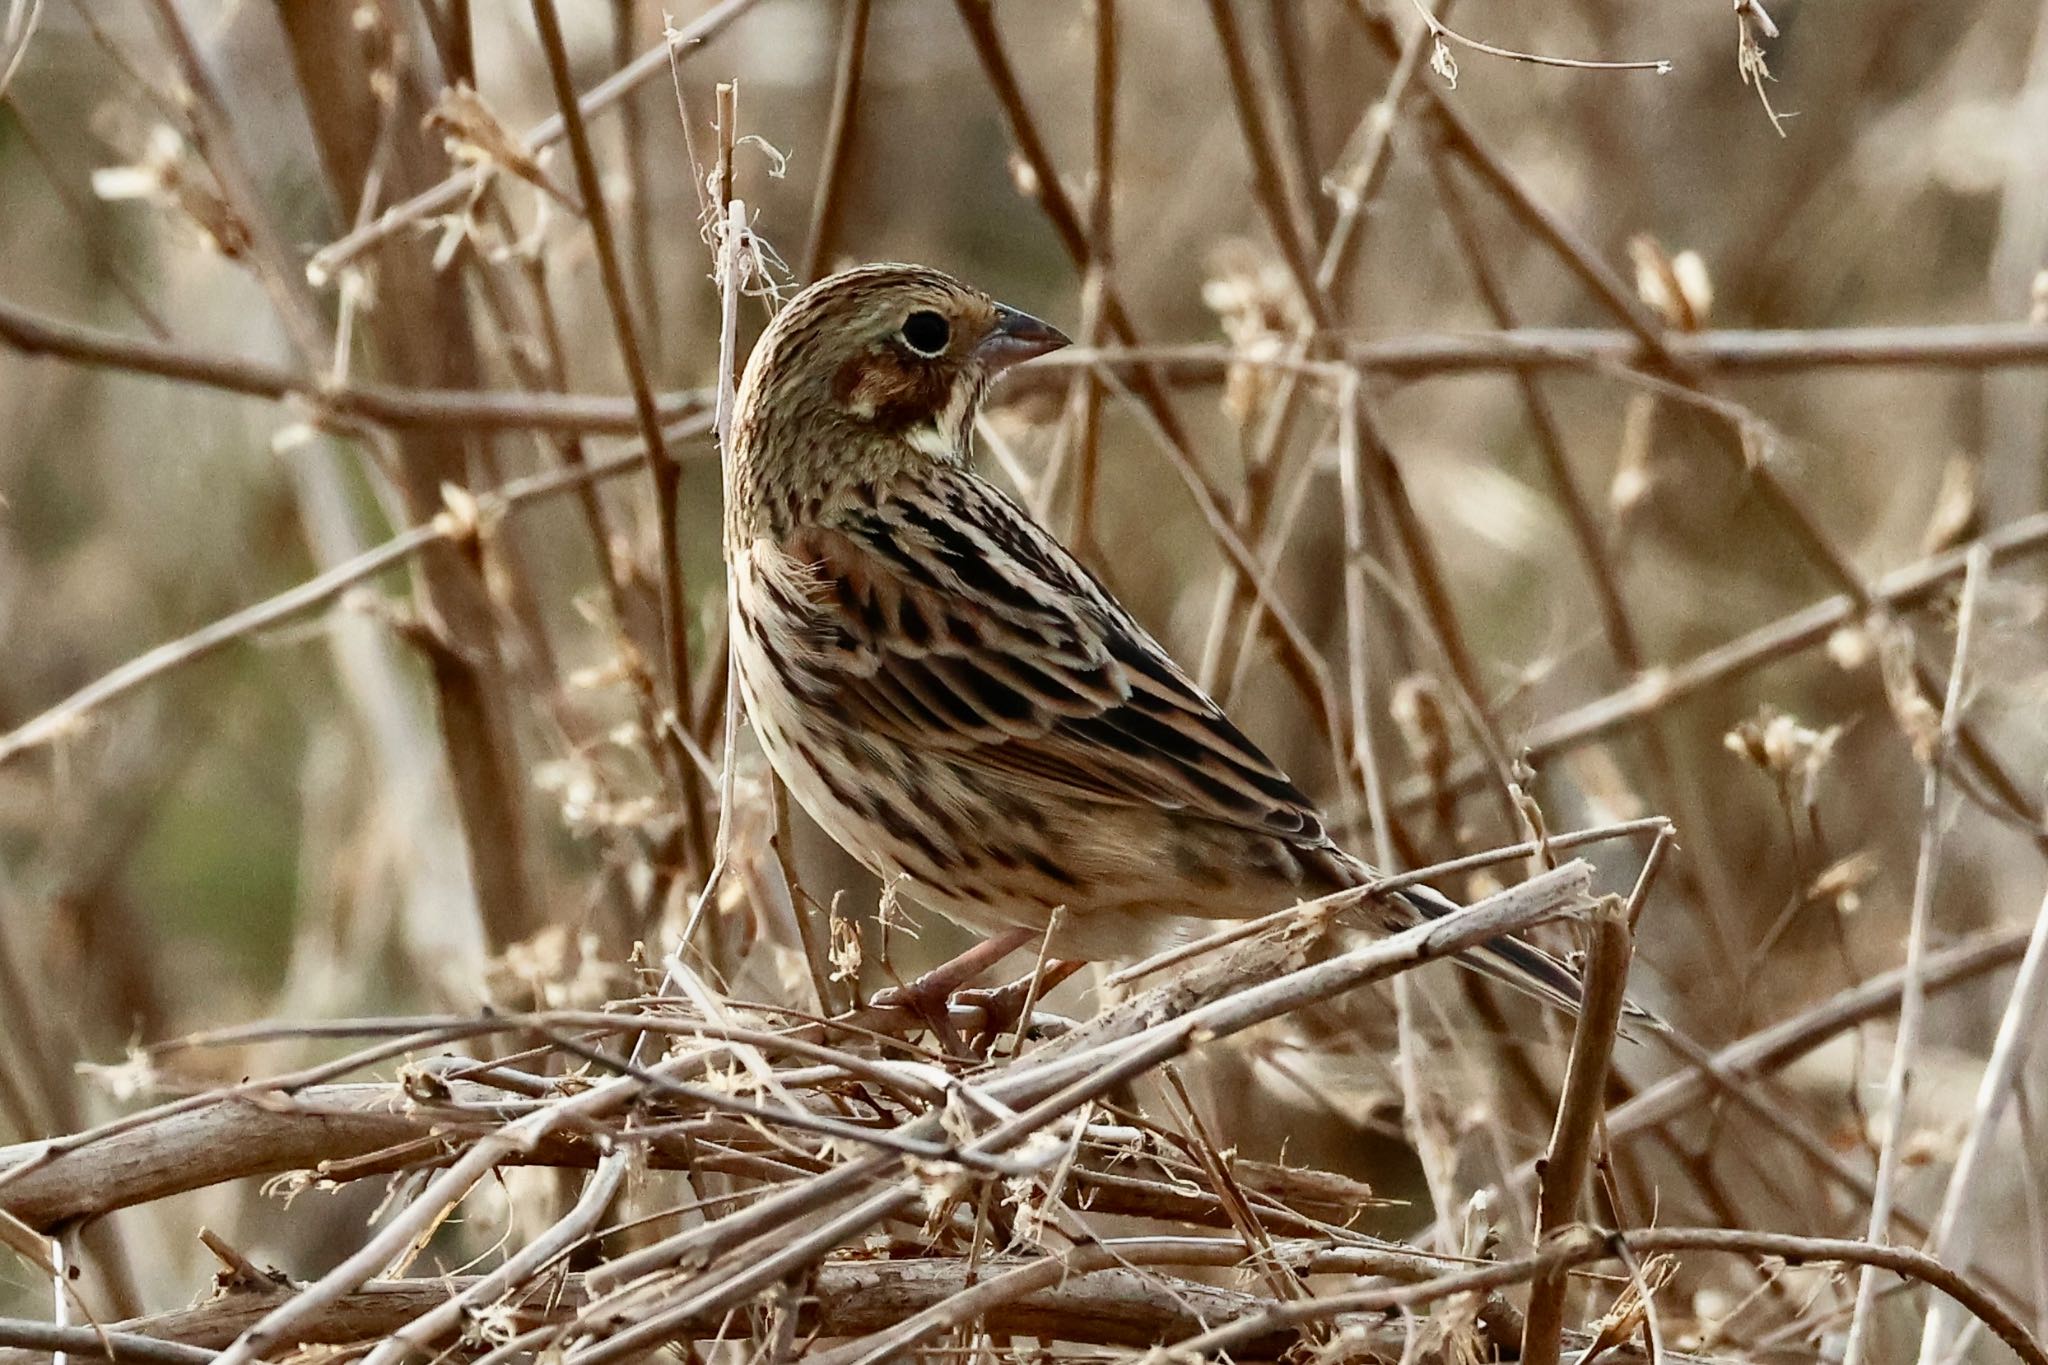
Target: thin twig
x=66, y=716
x=1788, y=635
x=664, y=472
x=1579, y=1111
x=1954, y=1238
x=327, y=262
x=1588, y=1248
x=1267, y=182
x=1055, y=1088
x=828, y=202
x=422, y=1213
x=1937, y=757
x=1449, y=69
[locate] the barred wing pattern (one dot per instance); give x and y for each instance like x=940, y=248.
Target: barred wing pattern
x=936, y=634
x=961, y=625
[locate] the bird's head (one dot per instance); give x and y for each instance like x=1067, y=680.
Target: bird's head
x=872, y=370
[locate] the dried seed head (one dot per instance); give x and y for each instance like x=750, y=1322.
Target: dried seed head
x=1023, y=176
x=1918, y=718
x=557, y=967
x=1676, y=286
x=1841, y=882
x=167, y=173
x=1776, y=742
x=1255, y=303
x=1634, y=472
x=474, y=135
x=1419, y=713
x=1850, y=647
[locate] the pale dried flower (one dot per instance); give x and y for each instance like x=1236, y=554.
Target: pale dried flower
x=1677, y=287
x=1255, y=303
x=586, y=800
x=1850, y=647
x=169, y=175
x=845, y=949
x=132, y=1077
x=1443, y=63
x=1842, y=881
x=1776, y=742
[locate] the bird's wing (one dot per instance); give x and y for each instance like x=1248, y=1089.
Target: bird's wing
x=949, y=620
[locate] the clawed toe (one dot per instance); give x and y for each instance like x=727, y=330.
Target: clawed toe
x=976, y=1013
x=919, y=997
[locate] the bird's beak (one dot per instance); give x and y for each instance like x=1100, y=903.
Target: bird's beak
x=1015, y=338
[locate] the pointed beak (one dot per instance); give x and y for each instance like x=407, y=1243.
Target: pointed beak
x=1016, y=338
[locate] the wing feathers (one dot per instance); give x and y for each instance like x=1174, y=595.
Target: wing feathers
x=956, y=624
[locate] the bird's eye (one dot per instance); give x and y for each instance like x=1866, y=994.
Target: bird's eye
x=926, y=332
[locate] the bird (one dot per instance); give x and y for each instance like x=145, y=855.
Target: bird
x=947, y=690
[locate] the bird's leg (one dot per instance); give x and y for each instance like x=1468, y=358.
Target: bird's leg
x=1002, y=1007
x=926, y=996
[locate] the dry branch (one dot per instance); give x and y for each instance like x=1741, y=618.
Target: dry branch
x=34, y=334
x=1579, y=1112
x=743, y=1180
x=1066, y=1300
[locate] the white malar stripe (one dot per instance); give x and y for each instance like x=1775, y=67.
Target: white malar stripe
x=928, y=439
x=944, y=437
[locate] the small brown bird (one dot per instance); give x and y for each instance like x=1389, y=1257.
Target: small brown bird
x=947, y=691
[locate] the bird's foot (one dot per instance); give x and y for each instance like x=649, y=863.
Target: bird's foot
x=927, y=995
x=944, y=1000
x=986, y=1014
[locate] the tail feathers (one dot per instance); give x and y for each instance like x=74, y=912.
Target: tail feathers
x=1515, y=964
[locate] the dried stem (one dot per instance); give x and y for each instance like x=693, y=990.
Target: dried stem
x=664, y=472
x=327, y=262
x=1954, y=1237
x=1936, y=757
x=1579, y=1111
x=827, y=204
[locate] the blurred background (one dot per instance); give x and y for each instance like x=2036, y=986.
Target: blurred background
x=447, y=781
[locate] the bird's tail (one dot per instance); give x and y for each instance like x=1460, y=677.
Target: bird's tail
x=1515, y=964
x=1521, y=966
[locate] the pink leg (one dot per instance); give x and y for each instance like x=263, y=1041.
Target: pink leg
x=927, y=994
x=1003, y=1006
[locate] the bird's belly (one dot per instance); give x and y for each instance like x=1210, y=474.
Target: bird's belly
x=910, y=818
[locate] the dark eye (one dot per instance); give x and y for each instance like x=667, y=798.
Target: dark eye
x=926, y=332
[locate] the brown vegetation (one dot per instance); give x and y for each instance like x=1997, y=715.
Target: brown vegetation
x=362, y=367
